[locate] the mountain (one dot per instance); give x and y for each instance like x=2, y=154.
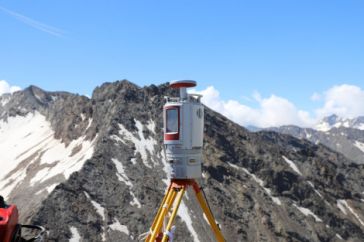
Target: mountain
x=342, y=135
x=334, y=121
x=93, y=169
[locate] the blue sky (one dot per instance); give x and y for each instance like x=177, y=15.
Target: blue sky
x=289, y=49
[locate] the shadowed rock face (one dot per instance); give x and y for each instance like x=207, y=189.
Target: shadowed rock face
x=261, y=186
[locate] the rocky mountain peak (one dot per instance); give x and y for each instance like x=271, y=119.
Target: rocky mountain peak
x=334, y=121
x=108, y=89
x=331, y=120
x=328, y=123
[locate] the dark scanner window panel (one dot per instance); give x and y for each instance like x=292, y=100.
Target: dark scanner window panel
x=172, y=121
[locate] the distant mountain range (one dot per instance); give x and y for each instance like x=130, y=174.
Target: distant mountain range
x=335, y=121
x=93, y=169
x=340, y=134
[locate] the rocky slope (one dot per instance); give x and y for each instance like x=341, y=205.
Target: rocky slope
x=261, y=186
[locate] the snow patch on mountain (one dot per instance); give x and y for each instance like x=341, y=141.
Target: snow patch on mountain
x=344, y=206
x=121, y=174
x=341, y=205
x=4, y=100
x=50, y=188
x=117, y=226
x=18, y=134
x=292, y=165
x=151, y=126
x=185, y=216
x=276, y=200
x=144, y=146
x=62, y=159
x=135, y=201
x=76, y=237
x=308, y=212
x=317, y=192
x=28, y=141
x=99, y=209
x=339, y=237
x=360, y=145
x=323, y=127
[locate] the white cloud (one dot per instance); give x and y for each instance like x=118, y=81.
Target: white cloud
x=6, y=88
x=271, y=111
x=345, y=100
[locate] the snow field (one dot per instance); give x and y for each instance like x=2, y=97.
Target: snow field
x=29, y=141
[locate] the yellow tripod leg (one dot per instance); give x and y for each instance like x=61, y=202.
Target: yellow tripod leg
x=159, y=211
x=159, y=219
x=206, y=210
x=174, y=213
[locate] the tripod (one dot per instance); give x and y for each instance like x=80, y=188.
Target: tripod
x=174, y=197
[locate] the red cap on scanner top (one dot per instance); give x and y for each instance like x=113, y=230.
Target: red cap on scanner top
x=183, y=83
